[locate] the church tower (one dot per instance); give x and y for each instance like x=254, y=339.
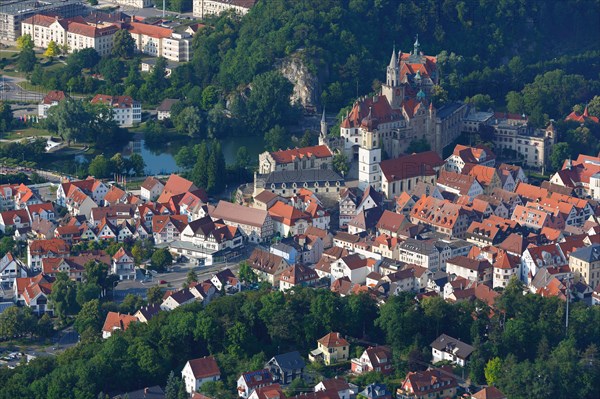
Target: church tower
x=369, y=154
x=324, y=127
x=392, y=88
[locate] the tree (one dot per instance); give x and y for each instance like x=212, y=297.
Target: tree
x=123, y=44
x=154, y=295
x=160, y=259
x=560, y=152
x=70, y=119
x=131, y=304
x=52, y=50
x=185, y=157
x=275, y=138
x=340, y=163
x=45, y=327
x=25, y=42
x=188, y=121
x=137, y=164
x=306, y=139
x=100, y=167
x=594, y=106
x=493, y=369
x=215, y=169
x=89, y=317
x=26, y=61
x=482, y=102
x=175, y=388
x=242, y=158
x=246, y=274
x=420, y=145
x=6, y=117
x=191, y=277
x=210, y=96
x=199, y=173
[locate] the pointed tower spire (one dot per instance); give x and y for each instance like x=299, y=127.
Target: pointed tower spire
x=585, y=112
x=394, y=60
x=417, y=45
x=324, y=127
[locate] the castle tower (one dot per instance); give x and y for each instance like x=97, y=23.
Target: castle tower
x=369, y=154
x=392, y=88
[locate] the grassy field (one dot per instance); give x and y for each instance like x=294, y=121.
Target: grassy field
x=24, y=133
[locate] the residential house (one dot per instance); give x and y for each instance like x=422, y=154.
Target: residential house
x=167, y=228
x=123, y=265
x=255, y=224
x=376, y=391
x=212, y=235
x=265, y=199
x=44, y=211
x=177, y=299
x=252, y=380
x=286, y=367
x=93, y=188
x=11, y=268
x=287, y=220
x=331, y=349
x=365, y=220
x=354, y=266
x=459, y=184
x=443, y=216
x=344, y=389
x=126, y=110
x=506, y=266
x=175, y=185
x=403, y=174
x=39, y=249
x=51, y=99
x=487, y=176
x=378, y=358
x=14, y=220
x=446, y=348
x=164, y=108
x=478, y=270
x=225, y=280
x=33, y=292
x=151, y=188
x=490, y=392
x=154, y=392
x=585, y=264
x=462, y=155
x=198, y=371
x=422, y=253
x=434, y=382
x=268, y=392
x=267, y=266
x=116, y=321
x=535, y=258
x=297, y=276
x=348, y=201
x=145, y=313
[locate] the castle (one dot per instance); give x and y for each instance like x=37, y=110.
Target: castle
x=386, y=124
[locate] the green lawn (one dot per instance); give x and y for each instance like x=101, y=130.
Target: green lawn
x=24, y=133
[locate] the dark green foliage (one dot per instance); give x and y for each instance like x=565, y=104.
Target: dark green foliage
x=6, y=117
x=420, y=145
x=161, y=258
x=123, y=44
x=341, y=164
x=26, y=61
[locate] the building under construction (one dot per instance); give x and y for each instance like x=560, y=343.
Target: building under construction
x=12, y=12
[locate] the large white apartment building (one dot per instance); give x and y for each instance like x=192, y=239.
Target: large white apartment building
x=203, y=8
x=74, y=33
x=127, y=110
x=158, y=41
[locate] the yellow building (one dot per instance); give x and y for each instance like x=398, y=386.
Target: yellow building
x=332, y=348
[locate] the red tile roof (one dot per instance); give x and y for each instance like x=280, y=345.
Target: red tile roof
x=53, y=96
x=175, y=185
x=333, y=340
x=138, y=28
x=414, y=165
x=287, y=156
x=115, y=320
x=204, y=367
x=582, y=118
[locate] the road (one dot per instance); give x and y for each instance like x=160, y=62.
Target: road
x=11, y=91
x=174, y=278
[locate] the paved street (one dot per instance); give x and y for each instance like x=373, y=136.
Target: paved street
x=10, y=90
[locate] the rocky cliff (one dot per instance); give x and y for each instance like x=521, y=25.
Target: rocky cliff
x=306, y=84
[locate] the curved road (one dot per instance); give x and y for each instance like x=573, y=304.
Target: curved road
x=11, y=91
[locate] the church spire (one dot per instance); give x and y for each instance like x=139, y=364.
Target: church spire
x=394, y=60
x=417, y=45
